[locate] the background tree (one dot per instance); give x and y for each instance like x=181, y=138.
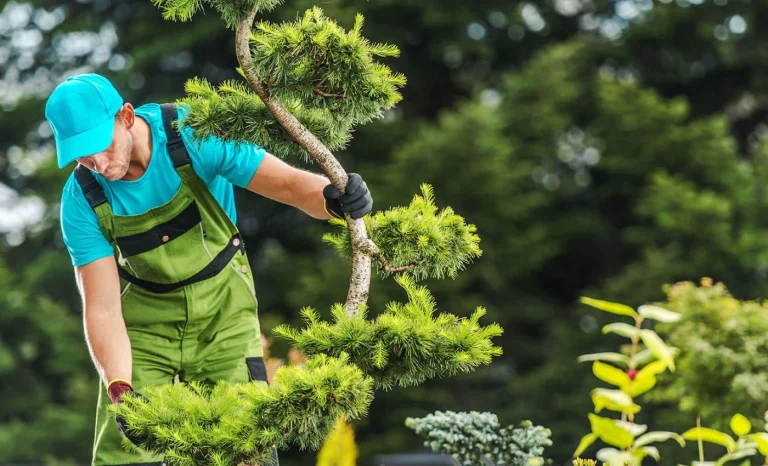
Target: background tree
x=721, y=344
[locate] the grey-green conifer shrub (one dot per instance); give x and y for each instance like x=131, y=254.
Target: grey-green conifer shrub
x=475, y=438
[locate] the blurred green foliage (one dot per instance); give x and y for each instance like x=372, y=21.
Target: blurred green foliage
x=723, y=344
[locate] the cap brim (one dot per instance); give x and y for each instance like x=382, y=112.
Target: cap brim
x=89, y=142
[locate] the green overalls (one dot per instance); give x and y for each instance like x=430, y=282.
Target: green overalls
x=187, y=292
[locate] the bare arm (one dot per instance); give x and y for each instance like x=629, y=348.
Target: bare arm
x=289, y=185
x=105, y=331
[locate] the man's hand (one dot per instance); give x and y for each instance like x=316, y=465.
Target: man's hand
x=118, y=388
x=356, y=200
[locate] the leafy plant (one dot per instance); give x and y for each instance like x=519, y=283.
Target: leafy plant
x=746, y=444
x=632, y=373
x=648, y=356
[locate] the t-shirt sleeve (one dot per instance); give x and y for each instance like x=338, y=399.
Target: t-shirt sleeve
x=80, y=227
x=232, y=161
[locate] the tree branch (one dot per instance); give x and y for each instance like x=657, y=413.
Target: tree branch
x=325, y=94
x=360, y=281
x=318, y=89
x=370, y=248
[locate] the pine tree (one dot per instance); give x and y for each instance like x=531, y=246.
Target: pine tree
x=307, y=84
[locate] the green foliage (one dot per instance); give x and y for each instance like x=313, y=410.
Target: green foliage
x=475, y=438
x=231, y=12
x=233, y=112
x=232, y=423
x=436, y=244
x=326, y=77
x=42, y=379
x=723, y=358
x=315, y=62
x=403, y=346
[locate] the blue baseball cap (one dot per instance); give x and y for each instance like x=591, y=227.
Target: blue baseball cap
x=81, y=112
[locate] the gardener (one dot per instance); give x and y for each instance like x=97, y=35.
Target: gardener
x=148, y=218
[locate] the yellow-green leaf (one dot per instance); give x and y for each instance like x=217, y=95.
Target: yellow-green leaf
x=612, y=357
x=625, y=330
x=586, y=441
x=609, y=432
x=740, y=425
x=761, y=439
x=655, y=368
x=634, y=429
x=736, y=455
x=610, y=374
x=607, y=306
x=643, y=357
x=645, y=379
x=712, y=436
x=658, y=313
x=659, y=436
x=657, y=346
x=614, y=400
x=614, y=457
x=643, y=383
x=653, y=452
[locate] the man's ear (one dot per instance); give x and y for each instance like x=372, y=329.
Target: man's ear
x=127, y=114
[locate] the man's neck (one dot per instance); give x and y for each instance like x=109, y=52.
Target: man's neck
x=142, y=150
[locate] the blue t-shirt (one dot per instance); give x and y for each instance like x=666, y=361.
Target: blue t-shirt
x=220, y=165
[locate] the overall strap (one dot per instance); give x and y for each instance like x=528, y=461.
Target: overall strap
x=96, y=198
x=179, y=154
x=222, y=259
x=91, y=188
x=176, y=148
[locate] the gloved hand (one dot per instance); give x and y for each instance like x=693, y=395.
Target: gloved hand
x=356, y=201
x=116, y=389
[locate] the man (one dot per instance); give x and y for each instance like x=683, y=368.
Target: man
x=149, y=220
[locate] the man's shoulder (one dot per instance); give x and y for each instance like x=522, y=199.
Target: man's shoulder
x=153, y=115
x=71, y=186
x=153, y=110
x=71, y=195
x=149, y=112
x=72, y=192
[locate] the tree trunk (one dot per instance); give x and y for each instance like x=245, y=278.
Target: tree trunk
x=360, y=281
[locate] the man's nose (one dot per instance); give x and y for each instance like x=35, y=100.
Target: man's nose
x=100, y=163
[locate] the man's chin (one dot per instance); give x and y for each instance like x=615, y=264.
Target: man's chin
x=113, y=176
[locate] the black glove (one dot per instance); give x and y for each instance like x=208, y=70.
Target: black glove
x=116, y=391
x=356, y=201
x=122, y=425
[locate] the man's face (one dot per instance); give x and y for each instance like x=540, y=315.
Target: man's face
x=112, y=163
